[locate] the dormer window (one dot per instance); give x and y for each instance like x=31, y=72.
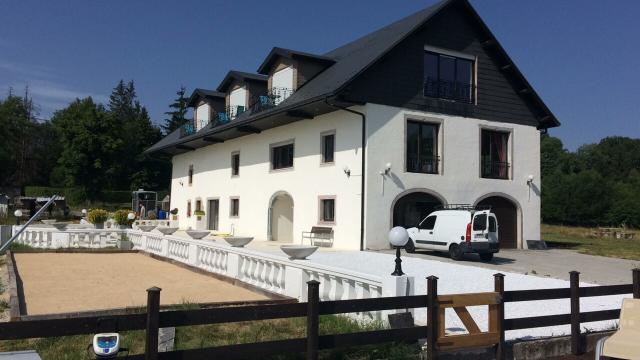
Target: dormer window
x=237, y=102
x=449, y=76
x=202, y=116
x=282, y=84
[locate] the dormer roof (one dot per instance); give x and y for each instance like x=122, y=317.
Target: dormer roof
x=291, y=54
x=240, y=76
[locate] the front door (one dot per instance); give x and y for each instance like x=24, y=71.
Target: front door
x=282, y=219
x=214, y=206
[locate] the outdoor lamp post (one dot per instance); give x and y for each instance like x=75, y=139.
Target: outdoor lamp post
x=398, y=237
x=84, y=212
x=131, y=216
x=18, y=215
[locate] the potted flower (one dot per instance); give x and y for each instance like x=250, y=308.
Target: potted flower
x=121, y=217
x=199, y=214
x=174, y=212
x=97, y=217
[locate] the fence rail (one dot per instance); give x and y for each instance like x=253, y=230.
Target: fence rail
x=437, y=340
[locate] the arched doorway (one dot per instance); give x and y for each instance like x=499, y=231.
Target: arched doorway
x=281, y=217
x=507, y=214
x=410, y=208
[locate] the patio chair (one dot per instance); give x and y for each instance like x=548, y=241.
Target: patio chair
x=624, y=343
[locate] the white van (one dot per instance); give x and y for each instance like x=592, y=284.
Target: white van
x=457, y=230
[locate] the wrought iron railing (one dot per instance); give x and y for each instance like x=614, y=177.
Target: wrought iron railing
x=495, y=169
x=451, y=90
x=228, y=115
x=423, y=164
x=271, y=99
x=188, y=129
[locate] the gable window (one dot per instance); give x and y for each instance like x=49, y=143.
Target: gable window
x=422, y=147
x=327, y=211
x=448, y=77
x=234, y=207
x=235, y=163
x=494, y=152
x=190, y=175
x=282, y=156
x=328, y=148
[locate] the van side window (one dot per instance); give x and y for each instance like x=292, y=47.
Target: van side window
x=480, y=222
x=428, y=223
x=492, y=224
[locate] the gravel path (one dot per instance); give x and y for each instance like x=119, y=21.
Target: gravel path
x=456, y=278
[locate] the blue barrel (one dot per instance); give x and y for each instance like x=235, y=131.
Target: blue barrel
x=162, y=215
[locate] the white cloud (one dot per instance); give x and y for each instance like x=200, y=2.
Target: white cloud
x=54, y=91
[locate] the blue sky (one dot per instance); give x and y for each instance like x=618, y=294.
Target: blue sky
x=581, y=56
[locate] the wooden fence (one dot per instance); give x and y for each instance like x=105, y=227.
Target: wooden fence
x=437, y=340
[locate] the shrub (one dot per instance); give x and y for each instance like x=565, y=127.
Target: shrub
x=174, y=211
x=97, y=216
x=152, y=215
x=121, y=217
x=198, y=213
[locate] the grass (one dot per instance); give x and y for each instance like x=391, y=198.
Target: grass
x=74, y=347
x=580, y=239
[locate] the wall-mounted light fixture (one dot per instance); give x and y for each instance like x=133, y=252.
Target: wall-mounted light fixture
x=347, y=171
x=529, y=180
x=386, y=170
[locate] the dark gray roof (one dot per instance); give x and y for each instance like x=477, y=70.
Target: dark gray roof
x=350, y=61
x=198, y=94
x=288, y=53
x=240, y=75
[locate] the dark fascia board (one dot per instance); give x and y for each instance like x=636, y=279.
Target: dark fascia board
x=199, y=93
x=276, y=52
x=241, y=76
x=548, y=119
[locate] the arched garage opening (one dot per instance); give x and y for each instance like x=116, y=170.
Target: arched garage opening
x=410, y=207
x=507, y=214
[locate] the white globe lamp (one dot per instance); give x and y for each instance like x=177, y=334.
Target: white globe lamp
x=18, y=215
x=398, y=238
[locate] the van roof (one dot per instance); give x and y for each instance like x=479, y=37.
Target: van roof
x=456, y=212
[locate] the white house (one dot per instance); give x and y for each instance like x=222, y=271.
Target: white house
x=427, y=111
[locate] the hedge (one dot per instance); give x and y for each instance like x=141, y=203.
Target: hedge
x=77, y=196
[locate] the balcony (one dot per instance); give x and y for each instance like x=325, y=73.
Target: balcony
x=449, y=90
x=423, y=164
x=273, y=98
x=495, y=169
x=187, y=129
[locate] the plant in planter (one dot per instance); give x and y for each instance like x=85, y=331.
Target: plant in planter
x=174, y=212
x=199, y=214
x=97, y=217
x=121, y=217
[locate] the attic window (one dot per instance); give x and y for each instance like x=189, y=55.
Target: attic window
x=448, y=77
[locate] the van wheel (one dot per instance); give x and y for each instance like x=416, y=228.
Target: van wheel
x=410, y=247
x=486, y=257
x=455, y=252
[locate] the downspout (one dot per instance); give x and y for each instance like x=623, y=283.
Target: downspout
x=362, y=170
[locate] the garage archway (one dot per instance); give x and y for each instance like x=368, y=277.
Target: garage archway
x=507, y=214
x=411, y=207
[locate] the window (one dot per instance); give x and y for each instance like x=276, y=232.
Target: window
x=282, y=156
x=198, y=205
x=328, y=148
x=235, y=164
x=422, y=147
x=493, y=227
x=189, y=208
x=480, y=222
x=234, y=207
x=448, y=77
x=190, y=175
x=327, y=210
x=429, y=223
x=494, y=161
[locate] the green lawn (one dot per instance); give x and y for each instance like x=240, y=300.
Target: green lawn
x=580, y=239
x=74, y=347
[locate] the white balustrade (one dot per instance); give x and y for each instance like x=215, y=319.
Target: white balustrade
x=269, y=272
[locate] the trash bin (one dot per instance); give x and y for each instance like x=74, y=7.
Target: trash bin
x=162, y=215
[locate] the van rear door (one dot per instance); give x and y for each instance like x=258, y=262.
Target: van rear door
x=479, y=228
x=493, y=228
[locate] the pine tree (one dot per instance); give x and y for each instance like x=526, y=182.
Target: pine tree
x=178, y=114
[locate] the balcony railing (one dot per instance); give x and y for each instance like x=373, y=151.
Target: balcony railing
x=187, y=129
x=495, y=169
x=423, y=164
x=271, y=99
x=450, y=90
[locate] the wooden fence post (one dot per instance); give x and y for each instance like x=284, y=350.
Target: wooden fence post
x=432, y=317
x=153, y=323
x=574, y=280
x=313, y=319
x=498, y=286
x=636, y=283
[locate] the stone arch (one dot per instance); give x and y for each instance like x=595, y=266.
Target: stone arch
x=410, y=206
x=280, y=217
x=509, y=214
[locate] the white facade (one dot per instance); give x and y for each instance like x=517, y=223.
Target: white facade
x=257, y=186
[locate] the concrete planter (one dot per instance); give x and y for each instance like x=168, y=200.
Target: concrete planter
x=238, y=241
x=124, y=244
x=146, y=228
x=49, y=221
x=298, y=252
x=167, y=230
x=197, y=234
x=61, y=226
x=98, y=225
